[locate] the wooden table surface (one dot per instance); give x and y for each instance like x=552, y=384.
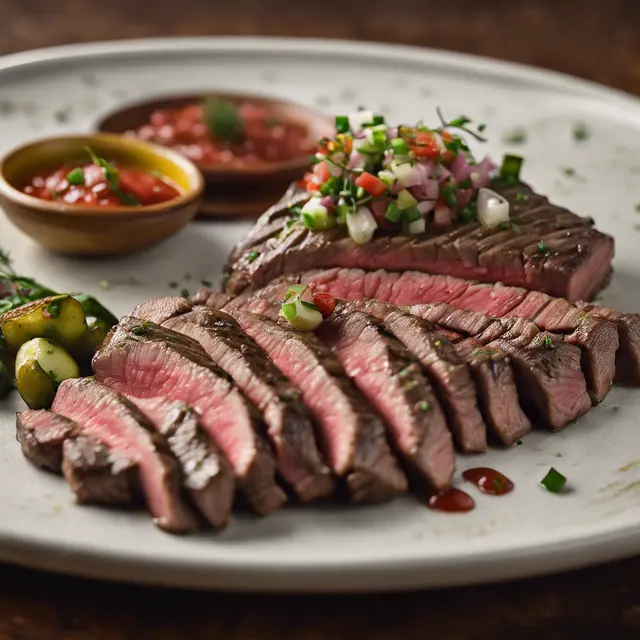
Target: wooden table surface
x=595, y=40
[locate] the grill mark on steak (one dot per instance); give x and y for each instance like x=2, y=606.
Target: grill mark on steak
x=142, y=359
x=110, y=418
x=392, y=381
x=289, y=426
x=41, y=435
x=207, y=476
x=596, y=339
x=353, y=437
x=98, y=475
x=576, y=268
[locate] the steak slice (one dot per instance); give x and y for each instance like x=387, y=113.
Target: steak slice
x=160, y=309
x=289, y=426
x=98, y=475
x=114, y=421
x=352, y=435
x=41, y=435
x=497, y=391
x=209, y=298
x=143, y=360
x=596, y=338
x=392, y=381
x=455, y=389
x=576, y=266
x=207, y=476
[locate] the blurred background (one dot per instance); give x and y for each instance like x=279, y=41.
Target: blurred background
x=595, y=39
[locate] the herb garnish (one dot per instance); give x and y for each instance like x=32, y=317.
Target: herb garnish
x=185, y=293
x=461, y=123
x=75, y=176
x=423, y=405
x=554, y=481
x=570, y=172
x=548, y=342
x=54, y=195
x=252, y=256
x=545, y=249
x=521, y=197
x=141, y=329
x=62, y=115
x=515, y=136
x=112, y=178
x=580, y=131
x=173, y=285
x=507, y=224
x=223, y=120
x=206, y=283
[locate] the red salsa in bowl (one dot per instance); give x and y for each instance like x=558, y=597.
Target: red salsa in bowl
x=237, y=135
x=103, y=184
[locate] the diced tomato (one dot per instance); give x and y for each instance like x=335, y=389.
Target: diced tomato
x=325, y=303
x=321, y=172
x=447, y=156
x=425, y=145
x=312, y=186
x=372, y=185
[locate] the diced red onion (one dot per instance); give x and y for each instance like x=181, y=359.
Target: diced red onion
x=460, y=168
x=334, y=164
x=428, y=190
x=426, y=206
x=481, y=173
x=328, y=202
x=392, y=132
x=356, y=160
x=442, y=216
x=442, y=173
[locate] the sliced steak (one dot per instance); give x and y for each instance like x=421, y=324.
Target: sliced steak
x=110, y=418
x=576, y=266
x=209, y=298
x=550, y=381
x=98, y=475
x=497, y=391
x=353, y=436
x=41, y=435
x=207, y=476
x=596, y=338
x=392, y=381
x=160, y=309
x=144, y=360
x=448, y=373
x=289, y=425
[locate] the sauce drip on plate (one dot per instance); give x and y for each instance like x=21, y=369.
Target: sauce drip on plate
x=489, y=480
x=451, y=501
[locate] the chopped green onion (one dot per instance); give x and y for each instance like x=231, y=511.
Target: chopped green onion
x=317, y=221
x=75, y=176
x=342, y=124
x=449, y=193
x=393, y=213
x=412, y=214
x=554, y=481
x=223, y=119
x=252, y=256
x=301, y=315
x=548, y=342
x=511, y=166
x=332, y=185
x=399, y=146
x=361, y=193
x=377, y=120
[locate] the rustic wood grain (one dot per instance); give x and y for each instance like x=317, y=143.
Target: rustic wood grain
x=598, y=41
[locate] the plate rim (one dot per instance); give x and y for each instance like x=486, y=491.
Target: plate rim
x=373, y=574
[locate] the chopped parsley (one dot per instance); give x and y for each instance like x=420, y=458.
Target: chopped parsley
x=223, y=119
x=112, y=178
x=252, y=256
x=545, y=249
x=548, y=342
x=521, y=197
x=185, y=293
x=206, y=283
x=518, y=442
x=570, y=172
x=580, y=132
x=141, y=329
x=515, y=136
x=508, y=224
x=173, y=285
x=423, y=405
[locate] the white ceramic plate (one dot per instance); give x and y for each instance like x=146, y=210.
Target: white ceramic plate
x=399, y=545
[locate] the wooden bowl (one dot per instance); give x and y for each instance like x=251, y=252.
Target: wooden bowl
x=231, y=191
x=94, y=230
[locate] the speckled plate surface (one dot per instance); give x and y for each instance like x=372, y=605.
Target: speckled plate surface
x=399, y=545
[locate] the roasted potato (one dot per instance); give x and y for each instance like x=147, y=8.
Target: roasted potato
x=60, y=318
x=94, y=309
x=41, y=365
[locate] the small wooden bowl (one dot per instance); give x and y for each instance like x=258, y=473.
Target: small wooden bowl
x=93, y=230
x=231, y=191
